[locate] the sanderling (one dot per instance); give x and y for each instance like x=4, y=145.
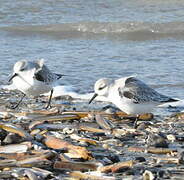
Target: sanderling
x=33, y=78
x=130, y=95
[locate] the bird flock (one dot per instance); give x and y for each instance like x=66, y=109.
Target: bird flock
x=129, y=94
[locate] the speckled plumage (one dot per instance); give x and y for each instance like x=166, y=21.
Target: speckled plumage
x=33, y=78
x=130, y=95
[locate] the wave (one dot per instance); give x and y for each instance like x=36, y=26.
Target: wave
x=127, y=30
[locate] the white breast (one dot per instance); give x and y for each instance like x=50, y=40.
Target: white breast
x=127, y=105
x=30, y=86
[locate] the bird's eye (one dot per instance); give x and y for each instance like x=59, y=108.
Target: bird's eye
x=100, y=88
x=22, y=69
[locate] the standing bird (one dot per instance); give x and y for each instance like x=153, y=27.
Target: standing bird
x=33, y=78
x=130, y=95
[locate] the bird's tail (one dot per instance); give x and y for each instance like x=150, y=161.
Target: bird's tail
x=59, y=75
x=171, y=100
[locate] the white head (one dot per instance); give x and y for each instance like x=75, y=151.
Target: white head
x=19, y=66
x=101, y=88
x=40, y=62
x=24, y=68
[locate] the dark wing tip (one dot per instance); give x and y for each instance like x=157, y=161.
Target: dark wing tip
x=128, y=94
x=171, y=100
x=130, y=79
x=59, y=76
x=39, y=77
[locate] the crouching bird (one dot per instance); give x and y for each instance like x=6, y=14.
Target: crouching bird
x=130, y=95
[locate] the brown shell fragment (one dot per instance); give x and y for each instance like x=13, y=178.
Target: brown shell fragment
x=89, y=141
x=15, y=148
x=161, y=150
x=116, y=167
x=104, y=123
x=45, y=112
x=121, y=114
x=34, y=162
x=91, y=129
x=86, y=140
x=14, y=129
x=7, y=163
x=76, y=166
x=5, y=115
x=78, y=113
x=41, y=120
x=31, y=175
x=179, y=115
x=167, y=160
x=77, y=151
x=41, y=172
x=136, y=149
x=152, y=150
x=145, y=117
x=16, y=156
x=79, y=175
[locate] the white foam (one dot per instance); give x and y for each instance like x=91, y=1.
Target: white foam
x=179, y=103
x=62, y=91
x=69, y=90
x=8, y=87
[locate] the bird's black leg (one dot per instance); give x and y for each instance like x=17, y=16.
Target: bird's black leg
x=135, y=122
x=48, y=105
x=14, y=107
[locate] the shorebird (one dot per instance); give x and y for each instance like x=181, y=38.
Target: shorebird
x=130, y=95
x=33, y=78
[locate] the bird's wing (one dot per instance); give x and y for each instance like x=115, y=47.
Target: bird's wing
x=58, y=76
x=139, y=92
x=43, y=74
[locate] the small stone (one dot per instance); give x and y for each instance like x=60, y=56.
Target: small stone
x=171, y=137
x=12, y=138
x=3, y=134
x=68, y=131
x=35, y=132
x=105, y=146
x=148, y=175
x=156, y=141
x=181, y=157
x=114, y=158
x=106, y=161
x=161, y=173
x=140, y=159
x=39, y=137
x=141, y=126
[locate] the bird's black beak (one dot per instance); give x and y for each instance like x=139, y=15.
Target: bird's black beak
x=94, y=96
x=14, y=75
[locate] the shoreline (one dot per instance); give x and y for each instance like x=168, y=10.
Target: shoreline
x=62, y=142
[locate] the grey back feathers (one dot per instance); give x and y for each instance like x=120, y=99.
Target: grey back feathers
x=42, y=73
x=139, y=92
x=45, y=75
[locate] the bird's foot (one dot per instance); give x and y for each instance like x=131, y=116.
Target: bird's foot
x=135, y=122
x=48, y=107
x=13, y=106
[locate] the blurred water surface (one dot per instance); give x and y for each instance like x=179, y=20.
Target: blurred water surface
x=88, y=39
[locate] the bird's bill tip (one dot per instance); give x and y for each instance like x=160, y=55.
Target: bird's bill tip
x=63, y=75
x=14, y=75
x=94, y=96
